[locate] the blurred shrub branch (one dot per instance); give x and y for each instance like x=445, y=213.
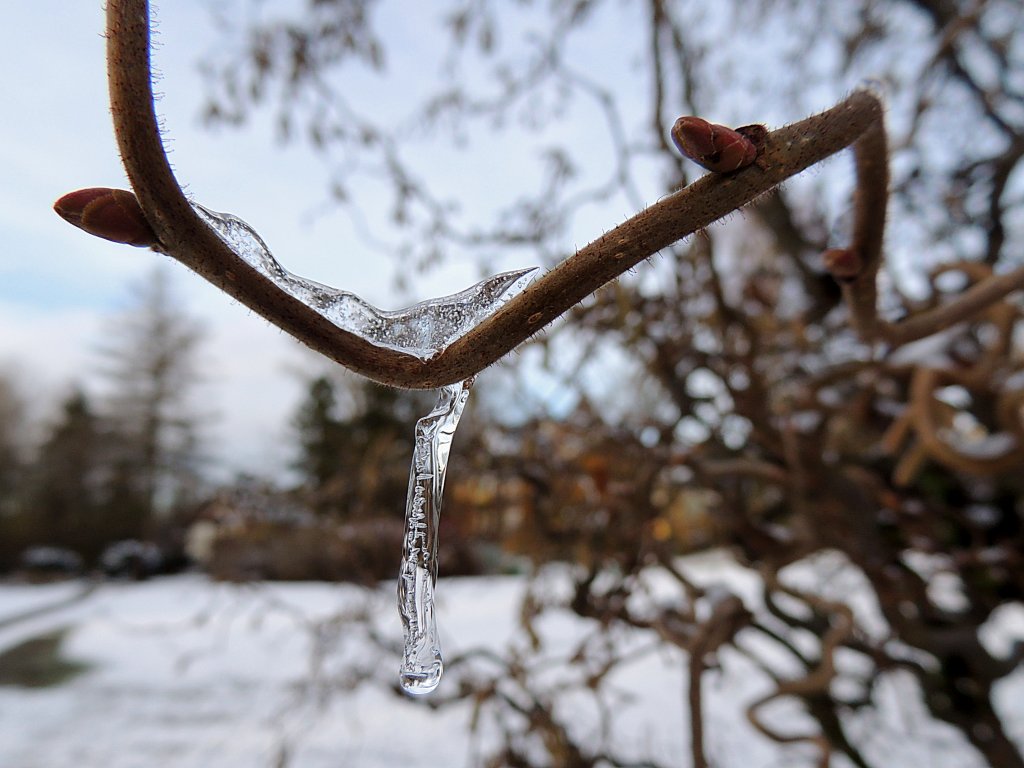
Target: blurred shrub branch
x=787, y=399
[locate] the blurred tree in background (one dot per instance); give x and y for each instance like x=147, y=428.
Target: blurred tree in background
x=726, y=377
x=114, y=468
x=12, y=440
x=320, y=434
x=150, y=359
x=71, y=477
x=13, y=457
x=354, y=449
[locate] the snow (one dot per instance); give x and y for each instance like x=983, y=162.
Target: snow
x=26, y=597
x=185, y=672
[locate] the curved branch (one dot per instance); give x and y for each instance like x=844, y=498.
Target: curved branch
x=182, y=235
x=841, y=629
x=922, y=410
x=869, y=207
x=970, y=303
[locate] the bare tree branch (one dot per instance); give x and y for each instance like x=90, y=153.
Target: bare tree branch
x=968, y=304
x=861, y=292
x=182, y=235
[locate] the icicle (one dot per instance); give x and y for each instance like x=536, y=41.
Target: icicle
x=421, y=660
x=423, y=330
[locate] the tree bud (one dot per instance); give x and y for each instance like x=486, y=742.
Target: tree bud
x=717, y=148
x=113, y=214
x=844, y=264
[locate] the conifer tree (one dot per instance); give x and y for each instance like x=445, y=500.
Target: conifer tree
x=319, y=433
x=150, y=359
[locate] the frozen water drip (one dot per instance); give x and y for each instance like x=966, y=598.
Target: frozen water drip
x=421, y=659
x=424, y=331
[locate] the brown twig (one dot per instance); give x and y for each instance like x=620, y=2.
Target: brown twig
x=968, y=304
x=183, y=236
x=922, y=409
x=728, y=617
x=819, y=678
x=859, y=289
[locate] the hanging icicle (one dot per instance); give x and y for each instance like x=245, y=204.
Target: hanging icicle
x=423, y=330
x=421, y=660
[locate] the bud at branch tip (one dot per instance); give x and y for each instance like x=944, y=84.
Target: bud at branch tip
x=113, y=214
x=844, y=264
x=716, y=147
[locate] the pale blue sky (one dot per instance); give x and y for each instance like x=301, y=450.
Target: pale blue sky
x=58, y=285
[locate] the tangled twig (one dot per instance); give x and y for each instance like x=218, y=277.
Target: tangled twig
x=818, y=679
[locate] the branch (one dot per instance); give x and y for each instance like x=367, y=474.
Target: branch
x=927, y=428
x=869, y=205
x=816, y=683
x=856, y=268
x=728, y=616
x=183, y=236
x=968, y=304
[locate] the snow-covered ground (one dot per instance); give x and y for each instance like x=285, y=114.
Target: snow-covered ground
x=186, y=672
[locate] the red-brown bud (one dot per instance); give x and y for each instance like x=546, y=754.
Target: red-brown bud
x=717, y=148
x=113, y=214
x=844, y=264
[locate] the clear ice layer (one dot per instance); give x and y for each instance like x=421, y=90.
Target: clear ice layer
x=423, y=330
x=422, y=665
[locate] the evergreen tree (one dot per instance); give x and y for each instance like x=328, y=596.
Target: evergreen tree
x=68, y=472
x=355, y=463
x=12, y=469
x=149, y=356
x=12, y=414
x=319, y=434
x=73, y=499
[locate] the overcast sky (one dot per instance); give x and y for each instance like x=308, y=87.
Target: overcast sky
x=58, y=285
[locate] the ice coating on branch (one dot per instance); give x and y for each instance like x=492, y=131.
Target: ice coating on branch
x=423, y=330
x=421, y=659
